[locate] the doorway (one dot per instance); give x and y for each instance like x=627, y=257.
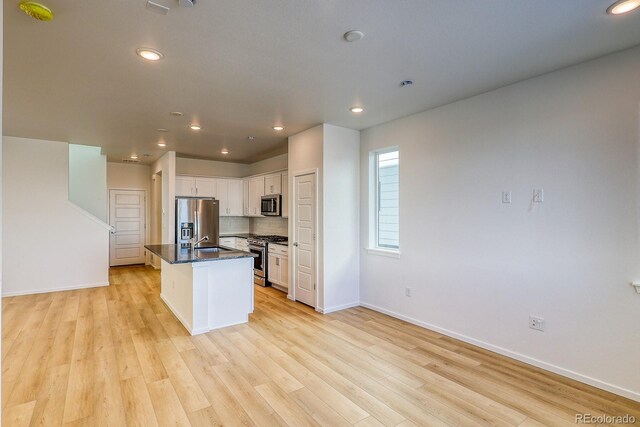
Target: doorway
x=127, y=219
x=304, y=235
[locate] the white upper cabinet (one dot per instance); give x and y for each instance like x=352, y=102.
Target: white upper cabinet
x=185, y=186
x=230, y=193
x=222, y=195
x=273, y=184
x=256, y=191
x=245, y=191
x=190, y=186
x=285, y=195
x=236, y=197
x=206, y=187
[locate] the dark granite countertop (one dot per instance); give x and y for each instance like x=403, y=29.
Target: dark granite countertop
x=251, y=235
x=174, y=254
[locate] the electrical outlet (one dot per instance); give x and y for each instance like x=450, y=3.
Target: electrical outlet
x=538, y=195
x=407, y=292
x=536, y=323
x=506, y=197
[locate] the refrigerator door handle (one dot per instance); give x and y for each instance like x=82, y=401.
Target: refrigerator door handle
x=196, y=230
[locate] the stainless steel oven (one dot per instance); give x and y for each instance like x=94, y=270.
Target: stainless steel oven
x=260, y=262
x=271, y=205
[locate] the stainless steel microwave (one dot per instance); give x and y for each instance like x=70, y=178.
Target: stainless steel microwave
x=271, y=205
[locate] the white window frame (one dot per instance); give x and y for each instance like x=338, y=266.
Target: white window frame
x=373, y=247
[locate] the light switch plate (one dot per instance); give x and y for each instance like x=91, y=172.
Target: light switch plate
x=506, y=197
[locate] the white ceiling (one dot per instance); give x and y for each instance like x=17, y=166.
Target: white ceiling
x=240, y=66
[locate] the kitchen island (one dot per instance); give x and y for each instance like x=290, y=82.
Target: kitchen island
x=207, y=288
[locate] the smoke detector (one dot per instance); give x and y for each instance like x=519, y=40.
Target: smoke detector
x=187, y=3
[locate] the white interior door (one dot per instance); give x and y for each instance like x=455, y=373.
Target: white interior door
x=127, y=217
x=305, y=239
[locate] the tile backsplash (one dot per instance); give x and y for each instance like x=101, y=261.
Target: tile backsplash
x=279, y=226
x=239, y=224
x=234, y=224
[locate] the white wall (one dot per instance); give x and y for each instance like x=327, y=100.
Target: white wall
x=88, y=179
x=305, y=155
x=211, y=168
x=165, y=166
x=49, y=243
x=123, y=176
x=334, y=152
x=1, y=179
x=341, y=210
x=269, y=165
x=478, y=268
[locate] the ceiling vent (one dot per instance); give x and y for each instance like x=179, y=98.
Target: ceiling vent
x=130, y=161
x=157, y=8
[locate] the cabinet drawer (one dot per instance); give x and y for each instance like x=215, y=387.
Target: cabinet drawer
x=228, y=241
x=279, y=249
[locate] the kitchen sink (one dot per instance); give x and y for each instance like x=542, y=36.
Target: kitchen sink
x=212, y=249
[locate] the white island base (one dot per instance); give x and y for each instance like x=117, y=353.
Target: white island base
x=209, y=295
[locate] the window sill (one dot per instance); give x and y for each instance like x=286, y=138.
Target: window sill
x=383, y=252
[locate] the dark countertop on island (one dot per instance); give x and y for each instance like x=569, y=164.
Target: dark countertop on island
x=175, y=254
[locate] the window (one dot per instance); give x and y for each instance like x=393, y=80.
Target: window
x=386, y=168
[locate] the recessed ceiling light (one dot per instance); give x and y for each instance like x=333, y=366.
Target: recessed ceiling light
x=162, y=144
x=149, y=54
x=134, y=156
x=176, y=113
x=353, y=35
x=251, y=138
x=225, y=151
x=278, y=128
x=623, y=6
x=356, y=109
x=195, y=127
x=163, y=130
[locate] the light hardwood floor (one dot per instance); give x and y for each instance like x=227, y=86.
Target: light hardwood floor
x=117, y=356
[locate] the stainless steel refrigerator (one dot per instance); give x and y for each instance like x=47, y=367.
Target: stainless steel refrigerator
x=197, y=217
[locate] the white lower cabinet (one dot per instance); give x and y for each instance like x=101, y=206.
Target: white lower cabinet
x=279, y=266
x=228, y=242
x=241, y=244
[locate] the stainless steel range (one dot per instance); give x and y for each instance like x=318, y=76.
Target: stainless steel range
x=258, y=246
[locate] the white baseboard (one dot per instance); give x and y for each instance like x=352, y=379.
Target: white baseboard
x=202, y=330
x=226, y=325
x=338, y=307
x=633, y=395
x=180, y=318
x=60, y=289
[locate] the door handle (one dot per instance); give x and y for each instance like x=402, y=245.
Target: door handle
x=295, y=244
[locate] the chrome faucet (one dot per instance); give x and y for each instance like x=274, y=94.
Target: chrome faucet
x=194, y=243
